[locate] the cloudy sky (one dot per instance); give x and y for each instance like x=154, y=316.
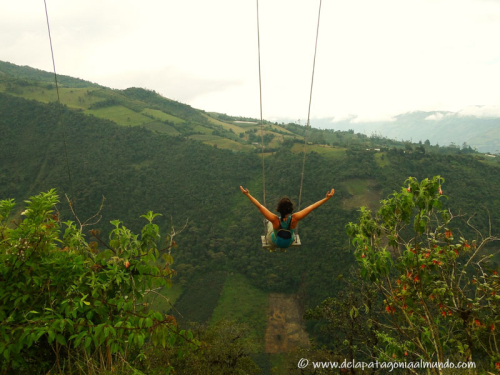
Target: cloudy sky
x=375, y=59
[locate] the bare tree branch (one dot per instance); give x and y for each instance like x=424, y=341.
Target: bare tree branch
x=97, y=213
x=162, y=296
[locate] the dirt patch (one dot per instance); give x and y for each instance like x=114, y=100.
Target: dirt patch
x=285, y=328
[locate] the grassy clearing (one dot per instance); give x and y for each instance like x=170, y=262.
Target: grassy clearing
x=200, y=298
x=71, y=97
x=121, y=115
x=225, y=143
x=161, y=127
x=250, y=127
x=242, y=302
x=228, y=144
x=160, y=115
x=327, y=151
x=280, y=128
x=204, y=137
x=363, y=194
x=276, y=142
x=236, y=129
x=203, y=129
x=357, y=186
x=160, y=304
x=247, y=124
x=381, y=159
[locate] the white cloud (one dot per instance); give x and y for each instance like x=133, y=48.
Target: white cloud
x=363, y=118
x=435, y=116
x=345, y=117
x=473, y=111
x=375, y=59
x=373, y=118
x=481, y=111
x=171, y=82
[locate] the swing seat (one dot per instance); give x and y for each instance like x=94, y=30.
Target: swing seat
x=267, y=245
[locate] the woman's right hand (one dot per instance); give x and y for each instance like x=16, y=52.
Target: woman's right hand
x=329, y=194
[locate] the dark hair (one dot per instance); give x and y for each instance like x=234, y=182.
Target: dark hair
x=285, y=207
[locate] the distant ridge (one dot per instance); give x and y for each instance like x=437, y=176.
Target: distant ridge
x=439, y=127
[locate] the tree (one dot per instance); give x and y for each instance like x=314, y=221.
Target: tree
x=440, y=294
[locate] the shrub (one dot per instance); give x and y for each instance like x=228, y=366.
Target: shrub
x=63, y=300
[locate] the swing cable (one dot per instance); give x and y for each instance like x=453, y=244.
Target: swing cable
x=61, y=123
x=261, y=121
x=308, y=126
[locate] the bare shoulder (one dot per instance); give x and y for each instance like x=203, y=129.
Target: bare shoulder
x=276, y=220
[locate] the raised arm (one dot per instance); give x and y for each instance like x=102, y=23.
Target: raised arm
x=306, y=211
x=267, y=214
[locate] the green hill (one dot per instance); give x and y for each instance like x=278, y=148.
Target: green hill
x=145, y=152
x=148, y=109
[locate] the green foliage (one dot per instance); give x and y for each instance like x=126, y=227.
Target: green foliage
x=225, y=350
x=439, y=290
x=61, y=297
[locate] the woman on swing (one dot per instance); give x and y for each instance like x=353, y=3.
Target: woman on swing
x=280, y=229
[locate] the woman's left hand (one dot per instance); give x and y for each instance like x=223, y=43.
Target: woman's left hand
x=244, y=191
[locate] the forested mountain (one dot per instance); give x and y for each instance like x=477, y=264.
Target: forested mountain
x=144, y=152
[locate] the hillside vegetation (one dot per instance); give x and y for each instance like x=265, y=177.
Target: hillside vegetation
x=143, y=152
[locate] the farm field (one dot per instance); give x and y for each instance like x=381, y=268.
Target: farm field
x=236, y=129
x=160, y=115
x=243, y=303
x=76, y=98
x=328, y=151
x=161, y=127
x=121, y=115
